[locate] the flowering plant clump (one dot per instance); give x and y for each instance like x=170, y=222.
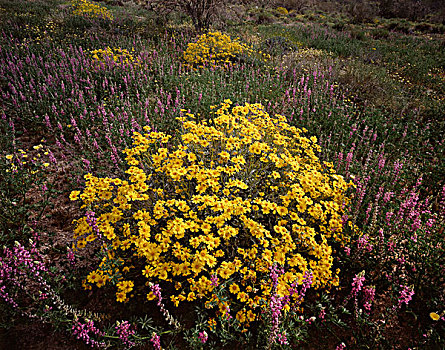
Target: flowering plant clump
x=114, y=55
x=282, y=11
x=23, y=172
x=216, y=49
x=240, y=193
x=90, y=9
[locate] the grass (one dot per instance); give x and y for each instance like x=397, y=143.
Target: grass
x=373, y=99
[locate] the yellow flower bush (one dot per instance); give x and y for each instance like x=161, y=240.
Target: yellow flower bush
x=117, y=55
x=90, y=9
x=240, y=193
x=282, y=11
x=216, y=49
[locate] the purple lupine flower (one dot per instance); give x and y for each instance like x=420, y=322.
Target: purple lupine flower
x=84, y=331
x=70, y=256
x=369, y=297
x=156, y=290
x=124, y=331
x=406, y=295
x=214, y=280
x=357, y=283
x=156, y=340
x=203, y=336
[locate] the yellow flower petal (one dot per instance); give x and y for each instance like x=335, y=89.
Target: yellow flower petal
x=434, y=316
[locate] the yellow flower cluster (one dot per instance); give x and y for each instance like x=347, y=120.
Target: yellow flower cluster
x=240, y=193
x=117, y=55
x=282, y=11
x=23, y=159
x=90, y=9
x=216, y=49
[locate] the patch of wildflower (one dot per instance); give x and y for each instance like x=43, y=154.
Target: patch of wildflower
x=357, y=285
x=27, y=160
x=369, y=298
x=341, y=346
x=156, y=292
x=89, y=9
x=23, y=172
x=115, y=56
x=203, y=336
x=156, y=341
x=16, y=265
x=70, y=256
x=24, y=276
x=235, y=197
x=124, y=332
x=215, y=49
x=282, y=11
x=406, y=294
x=307, y=283
x=86, y=332
x=277, y=305
x=397, y=244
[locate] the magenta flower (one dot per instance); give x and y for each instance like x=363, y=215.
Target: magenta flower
x=406, y=295
x=357, y=283
x=203, y=336
x=124, y=331
x=156, y=340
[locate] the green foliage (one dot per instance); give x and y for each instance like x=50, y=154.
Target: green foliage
x=373, y=94
x=279, y=45
x=22, y=172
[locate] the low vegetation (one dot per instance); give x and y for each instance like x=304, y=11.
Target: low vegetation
x=263, y=174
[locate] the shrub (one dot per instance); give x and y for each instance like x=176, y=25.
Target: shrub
x=114, y=55
x=215, y=49
x=296, y=5
x=89, y=9
x=282, y=11
x=240, y=194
